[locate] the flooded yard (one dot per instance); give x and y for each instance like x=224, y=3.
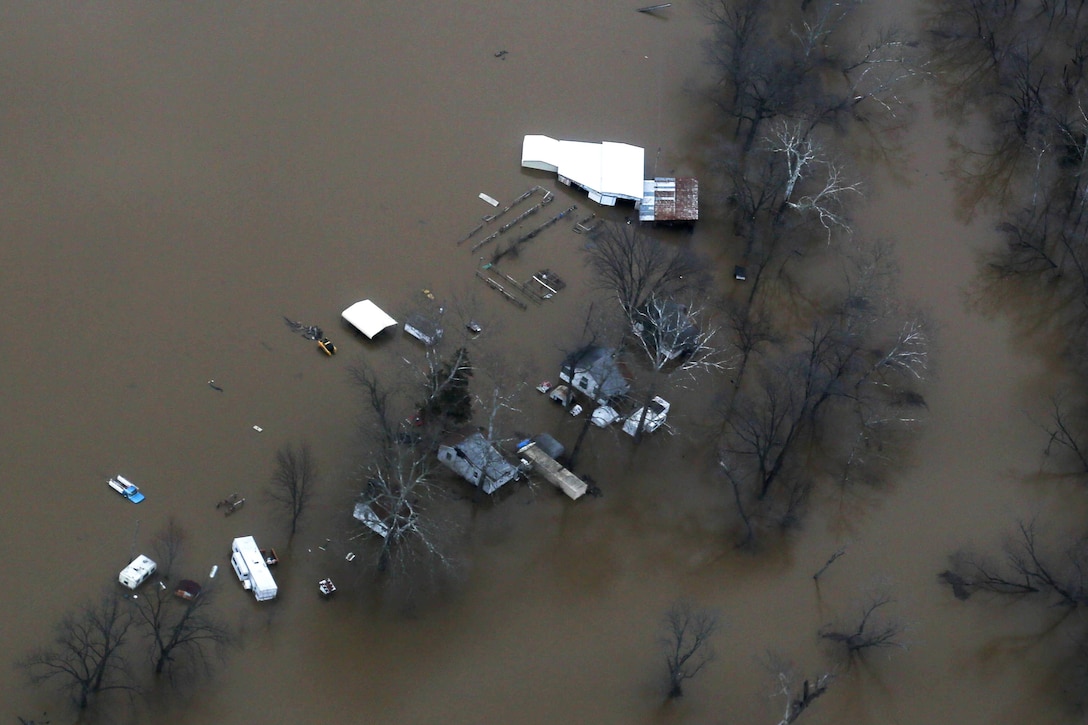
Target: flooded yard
x=177, y=179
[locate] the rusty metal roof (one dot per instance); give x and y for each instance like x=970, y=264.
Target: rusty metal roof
x=667, y=199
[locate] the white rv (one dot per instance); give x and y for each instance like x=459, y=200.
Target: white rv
x=137, y=572
x=252, y=569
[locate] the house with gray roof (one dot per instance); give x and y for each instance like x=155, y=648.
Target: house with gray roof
x=472, y=457
x=595, y=372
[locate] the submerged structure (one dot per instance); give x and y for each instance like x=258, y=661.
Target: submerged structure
x=609, y=172
x=367, y=318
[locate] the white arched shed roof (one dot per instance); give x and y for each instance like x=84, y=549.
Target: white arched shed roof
x=368, y=318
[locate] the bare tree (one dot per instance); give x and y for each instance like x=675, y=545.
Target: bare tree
x=675, y=339
x=806, y=161
x=797, y=700
x=400, y=499
x=87, y=654
x=166, y=546
x=686, y=643
x=446, y=387
x=1066, y=433
x=872, y=630
x=183, y=635
x=635, y=266
x=1025, y=568
x=293, y=481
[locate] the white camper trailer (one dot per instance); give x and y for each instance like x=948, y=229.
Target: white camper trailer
x=252, y=568
x=137, y=572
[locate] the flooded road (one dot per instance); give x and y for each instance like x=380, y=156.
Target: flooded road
x=176, y=180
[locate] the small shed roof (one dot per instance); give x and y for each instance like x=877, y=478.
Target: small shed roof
x=368, y=318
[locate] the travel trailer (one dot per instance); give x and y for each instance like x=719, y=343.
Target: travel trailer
x=137, y=572
x=252, y=569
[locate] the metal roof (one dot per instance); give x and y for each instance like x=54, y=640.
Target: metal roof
x=368, y=318
x=668, y=199
x=608, y=170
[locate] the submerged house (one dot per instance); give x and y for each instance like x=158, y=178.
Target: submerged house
x=423, y=329
x=374, y=516
x=667, y=328
x=609, y=172
x=381, y=508
x=473, y=458
x=595, y=372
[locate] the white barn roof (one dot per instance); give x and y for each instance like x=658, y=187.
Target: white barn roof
x=607, y=170
x=368, y=318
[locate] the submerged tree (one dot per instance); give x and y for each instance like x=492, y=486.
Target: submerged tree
x=797, y=699
x=86, y=657
x=183, y=634
x=446, y=386
x=871, y=630
x=1026, y=567
x=293, y=481
x=635, y=266
x=399, y=502
x=686, y=643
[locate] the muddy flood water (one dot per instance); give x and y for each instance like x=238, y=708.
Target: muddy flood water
x=177, y=178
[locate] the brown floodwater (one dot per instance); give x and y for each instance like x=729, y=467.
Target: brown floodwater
x=176, y=178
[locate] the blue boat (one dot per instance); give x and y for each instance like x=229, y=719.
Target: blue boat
x=126, y=488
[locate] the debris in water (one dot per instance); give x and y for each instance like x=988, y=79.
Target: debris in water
x=258, y=428
x=310, y=332
x=502, y=54
x=213, y=386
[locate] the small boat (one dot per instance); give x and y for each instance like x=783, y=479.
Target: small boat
x=188, y=590
x=126, y=488
x=326, y=346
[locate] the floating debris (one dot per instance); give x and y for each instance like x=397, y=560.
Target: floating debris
x=231, y=504
x=213, y=386
x=652, y=8
x=489, y=199
x=310, y=332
